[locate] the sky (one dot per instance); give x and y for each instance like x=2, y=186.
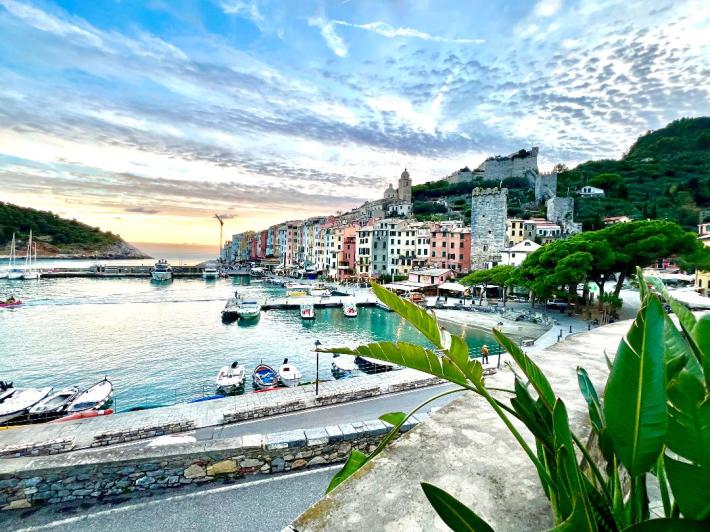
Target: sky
x=148, y=117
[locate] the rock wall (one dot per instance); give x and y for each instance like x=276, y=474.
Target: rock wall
x=488, y=225
x=26, y=482
x=518, y=164
x=561, y=212
x=545, y=186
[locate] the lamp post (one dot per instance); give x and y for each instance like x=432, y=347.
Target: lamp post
x=318, y=344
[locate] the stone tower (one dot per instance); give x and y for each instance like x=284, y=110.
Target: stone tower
x=489, y=211
x=404, y=191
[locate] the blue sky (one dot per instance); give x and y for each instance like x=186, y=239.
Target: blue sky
x=145, y=117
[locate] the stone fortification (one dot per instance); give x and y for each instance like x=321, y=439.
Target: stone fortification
x=545, y=186
x=561, y=212
x=489, y=207
x=518, y=164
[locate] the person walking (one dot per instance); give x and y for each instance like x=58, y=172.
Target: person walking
x=484, y=353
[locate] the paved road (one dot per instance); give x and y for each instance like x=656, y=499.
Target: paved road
x=254, y=505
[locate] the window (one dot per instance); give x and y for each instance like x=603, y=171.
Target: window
x=452, y=245
x=460, y=257
x=433, y=253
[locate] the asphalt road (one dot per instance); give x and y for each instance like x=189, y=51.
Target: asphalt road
x=256, y=504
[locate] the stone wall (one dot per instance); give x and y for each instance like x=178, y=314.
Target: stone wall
x=488, y=225
x=561, y=212
x=518, y=164
x=122, y=436
x=56, y=446
x=545, y=186
x=26, y=482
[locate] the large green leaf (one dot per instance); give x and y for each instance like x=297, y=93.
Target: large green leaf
x=457, y=516
x=690, y=485
x=590, y=395
x=532, y=371
x=393, y=418
x=635, y=396
x=668, y=525
x=414, y=314
x=529, y=412
x=701, y=335
x=409, y=355
x=577, y=521
x=685, y=316
x=689, y=419
x=355, y=461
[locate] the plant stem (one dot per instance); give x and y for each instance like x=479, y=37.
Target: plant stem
x=663, y=485
x=593, y=466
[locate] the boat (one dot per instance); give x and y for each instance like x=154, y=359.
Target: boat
x=344, y=366
x=373, y=365
x=10, y=302
x=84, y=415
x=6, y=390
x=319, y=290
x=248, y=309
x=289, y=375
x=349, y=308
x=54, y=403
x=93, y=398
x=229, y=313
x=297, y=289
x=14, y=272
x=162, y=271
x=22, y=400
x=31, y=272
x=256, y=272
x=307, y=310
x=210, y=272
x=231, y=377
x=264, y=377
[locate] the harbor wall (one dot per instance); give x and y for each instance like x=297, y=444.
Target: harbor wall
x=27, y=482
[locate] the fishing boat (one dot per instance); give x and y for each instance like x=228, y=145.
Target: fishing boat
x=248, y=309
x=84, y=415
x=14, y=272
x=264, y=377
x=344, y=367
x=210, y=272
x=373, y=365
x=22, y=400
x=231, y=377
x=55, y=403
x=307, y=310
x=349, y=308
x=10, y=302
x=319, y=290
x=289, y=375
x=94, y=398
x=162, y=271
x=31, y=272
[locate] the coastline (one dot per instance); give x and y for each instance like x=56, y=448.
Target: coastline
x=518, y=330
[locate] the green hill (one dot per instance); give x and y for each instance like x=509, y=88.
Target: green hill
x=58, y=236
x=664, y=175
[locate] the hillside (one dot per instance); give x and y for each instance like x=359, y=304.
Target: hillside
x=664, y=175
x=59, y=236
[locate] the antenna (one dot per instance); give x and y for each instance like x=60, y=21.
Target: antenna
x=221, y=229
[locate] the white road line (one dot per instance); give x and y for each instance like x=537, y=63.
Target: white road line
x=200, y=493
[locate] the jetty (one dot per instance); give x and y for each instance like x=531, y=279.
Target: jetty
x=99, y=271
x=287, y=303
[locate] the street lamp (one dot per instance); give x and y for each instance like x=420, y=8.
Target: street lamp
x=318, y=344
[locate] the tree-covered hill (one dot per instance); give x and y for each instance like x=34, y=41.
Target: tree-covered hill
x=55, y=235
x=664, y=175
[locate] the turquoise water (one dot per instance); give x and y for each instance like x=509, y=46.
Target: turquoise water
x=165, y=343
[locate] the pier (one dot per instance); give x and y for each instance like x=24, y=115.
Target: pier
x=288, y=303
x=113, y=272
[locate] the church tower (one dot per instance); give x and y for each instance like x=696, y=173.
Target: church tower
x=404, y=191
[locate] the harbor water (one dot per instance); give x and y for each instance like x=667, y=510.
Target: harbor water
x=163, y=343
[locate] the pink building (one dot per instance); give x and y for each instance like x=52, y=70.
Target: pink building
x=430, y=276
x=346, y=264
x=450, y=248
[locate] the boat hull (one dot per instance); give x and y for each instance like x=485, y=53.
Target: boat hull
x=14, y=276
x=84, y=415
x=290, y=383
x=161, y=276
x=31, y=276
x=11, y=305
x=264, y=377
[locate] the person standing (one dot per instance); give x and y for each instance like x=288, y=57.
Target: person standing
x=484, y=353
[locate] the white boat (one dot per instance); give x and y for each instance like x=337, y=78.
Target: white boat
x=6, y=390
x=22, y=400
x=230, y=377
x=162, y=271
x=374, y=365
x=14, y=272
x=248, y=309
x=93, y=398
x=344, y=366
x=256, y=272
x=31, y=272
x=349, y=308
x=307, y=310
x=55, y=403
x=319, y=290
x=210, y=272
x=288, y=374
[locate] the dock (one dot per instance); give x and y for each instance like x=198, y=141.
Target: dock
x=286, y=303
x=112, y=272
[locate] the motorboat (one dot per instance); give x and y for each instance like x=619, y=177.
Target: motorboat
x=344, y=366
x=10, y=303
x=373, y=365
x=94, y=398
x=307, y=310
x=248, y=309
x=264, y=377
x=289, y=375
x=319, y=290
x=162, y=271
x=31, y=272
x=22, y=400
x=210, y=272
x=349, y=308
x=256, y=272
x=230, y=377
x=229, y=313
x=55, y=403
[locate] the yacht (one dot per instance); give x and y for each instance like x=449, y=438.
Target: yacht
x=210, y=272
x=14, y=272
x=93, y=398
x=162, y=271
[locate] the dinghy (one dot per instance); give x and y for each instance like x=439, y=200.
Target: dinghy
x=231, y=377
x=264, y=377
x=10, y=302
x=344, y=366
x=55, y=403
x=93, y=398
x=22, y=400
x=289, y=375
x=349, y=308
x=373, y=365
x=84, y=415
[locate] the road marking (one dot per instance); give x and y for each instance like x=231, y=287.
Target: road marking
x=200, y=493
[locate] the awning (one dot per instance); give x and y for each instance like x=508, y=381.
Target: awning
x=454, y=287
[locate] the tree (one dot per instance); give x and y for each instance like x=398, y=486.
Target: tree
x=498, y=275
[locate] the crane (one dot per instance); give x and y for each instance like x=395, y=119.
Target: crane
x=221, y=230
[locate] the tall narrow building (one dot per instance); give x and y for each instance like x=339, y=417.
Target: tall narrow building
x=489, y=207
x=404, y=190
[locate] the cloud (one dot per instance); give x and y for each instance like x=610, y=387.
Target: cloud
x=142, y=210
x=332, y=39
x=389, y=31
x=547, y=8
x=247, y=9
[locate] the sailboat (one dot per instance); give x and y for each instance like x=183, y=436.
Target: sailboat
x=31, y=271
x=14, y=272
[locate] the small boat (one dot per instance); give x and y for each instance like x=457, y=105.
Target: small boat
x=31, y=272
x=210, y=272
x=319, y=290
x=308, y=311
x=93, y=398
x=230, y=309
x=162, y=271
x=22, y=400
x=264, y=377
x=349, y=308
x=14, y=272
x=373, y=365
x=256, y=272
x=84, y=415
x=11, y=302
x=230, y=377
x=344, y=366
x=381, y=305
x=248, y=309
x=289, y=375
x=6, y=390
x=55, y=403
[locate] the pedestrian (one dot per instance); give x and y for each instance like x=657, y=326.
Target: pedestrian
x=484, y=353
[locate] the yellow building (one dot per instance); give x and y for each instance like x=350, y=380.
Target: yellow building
x=515, y=231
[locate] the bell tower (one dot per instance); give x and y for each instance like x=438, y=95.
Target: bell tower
x=404, y=191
